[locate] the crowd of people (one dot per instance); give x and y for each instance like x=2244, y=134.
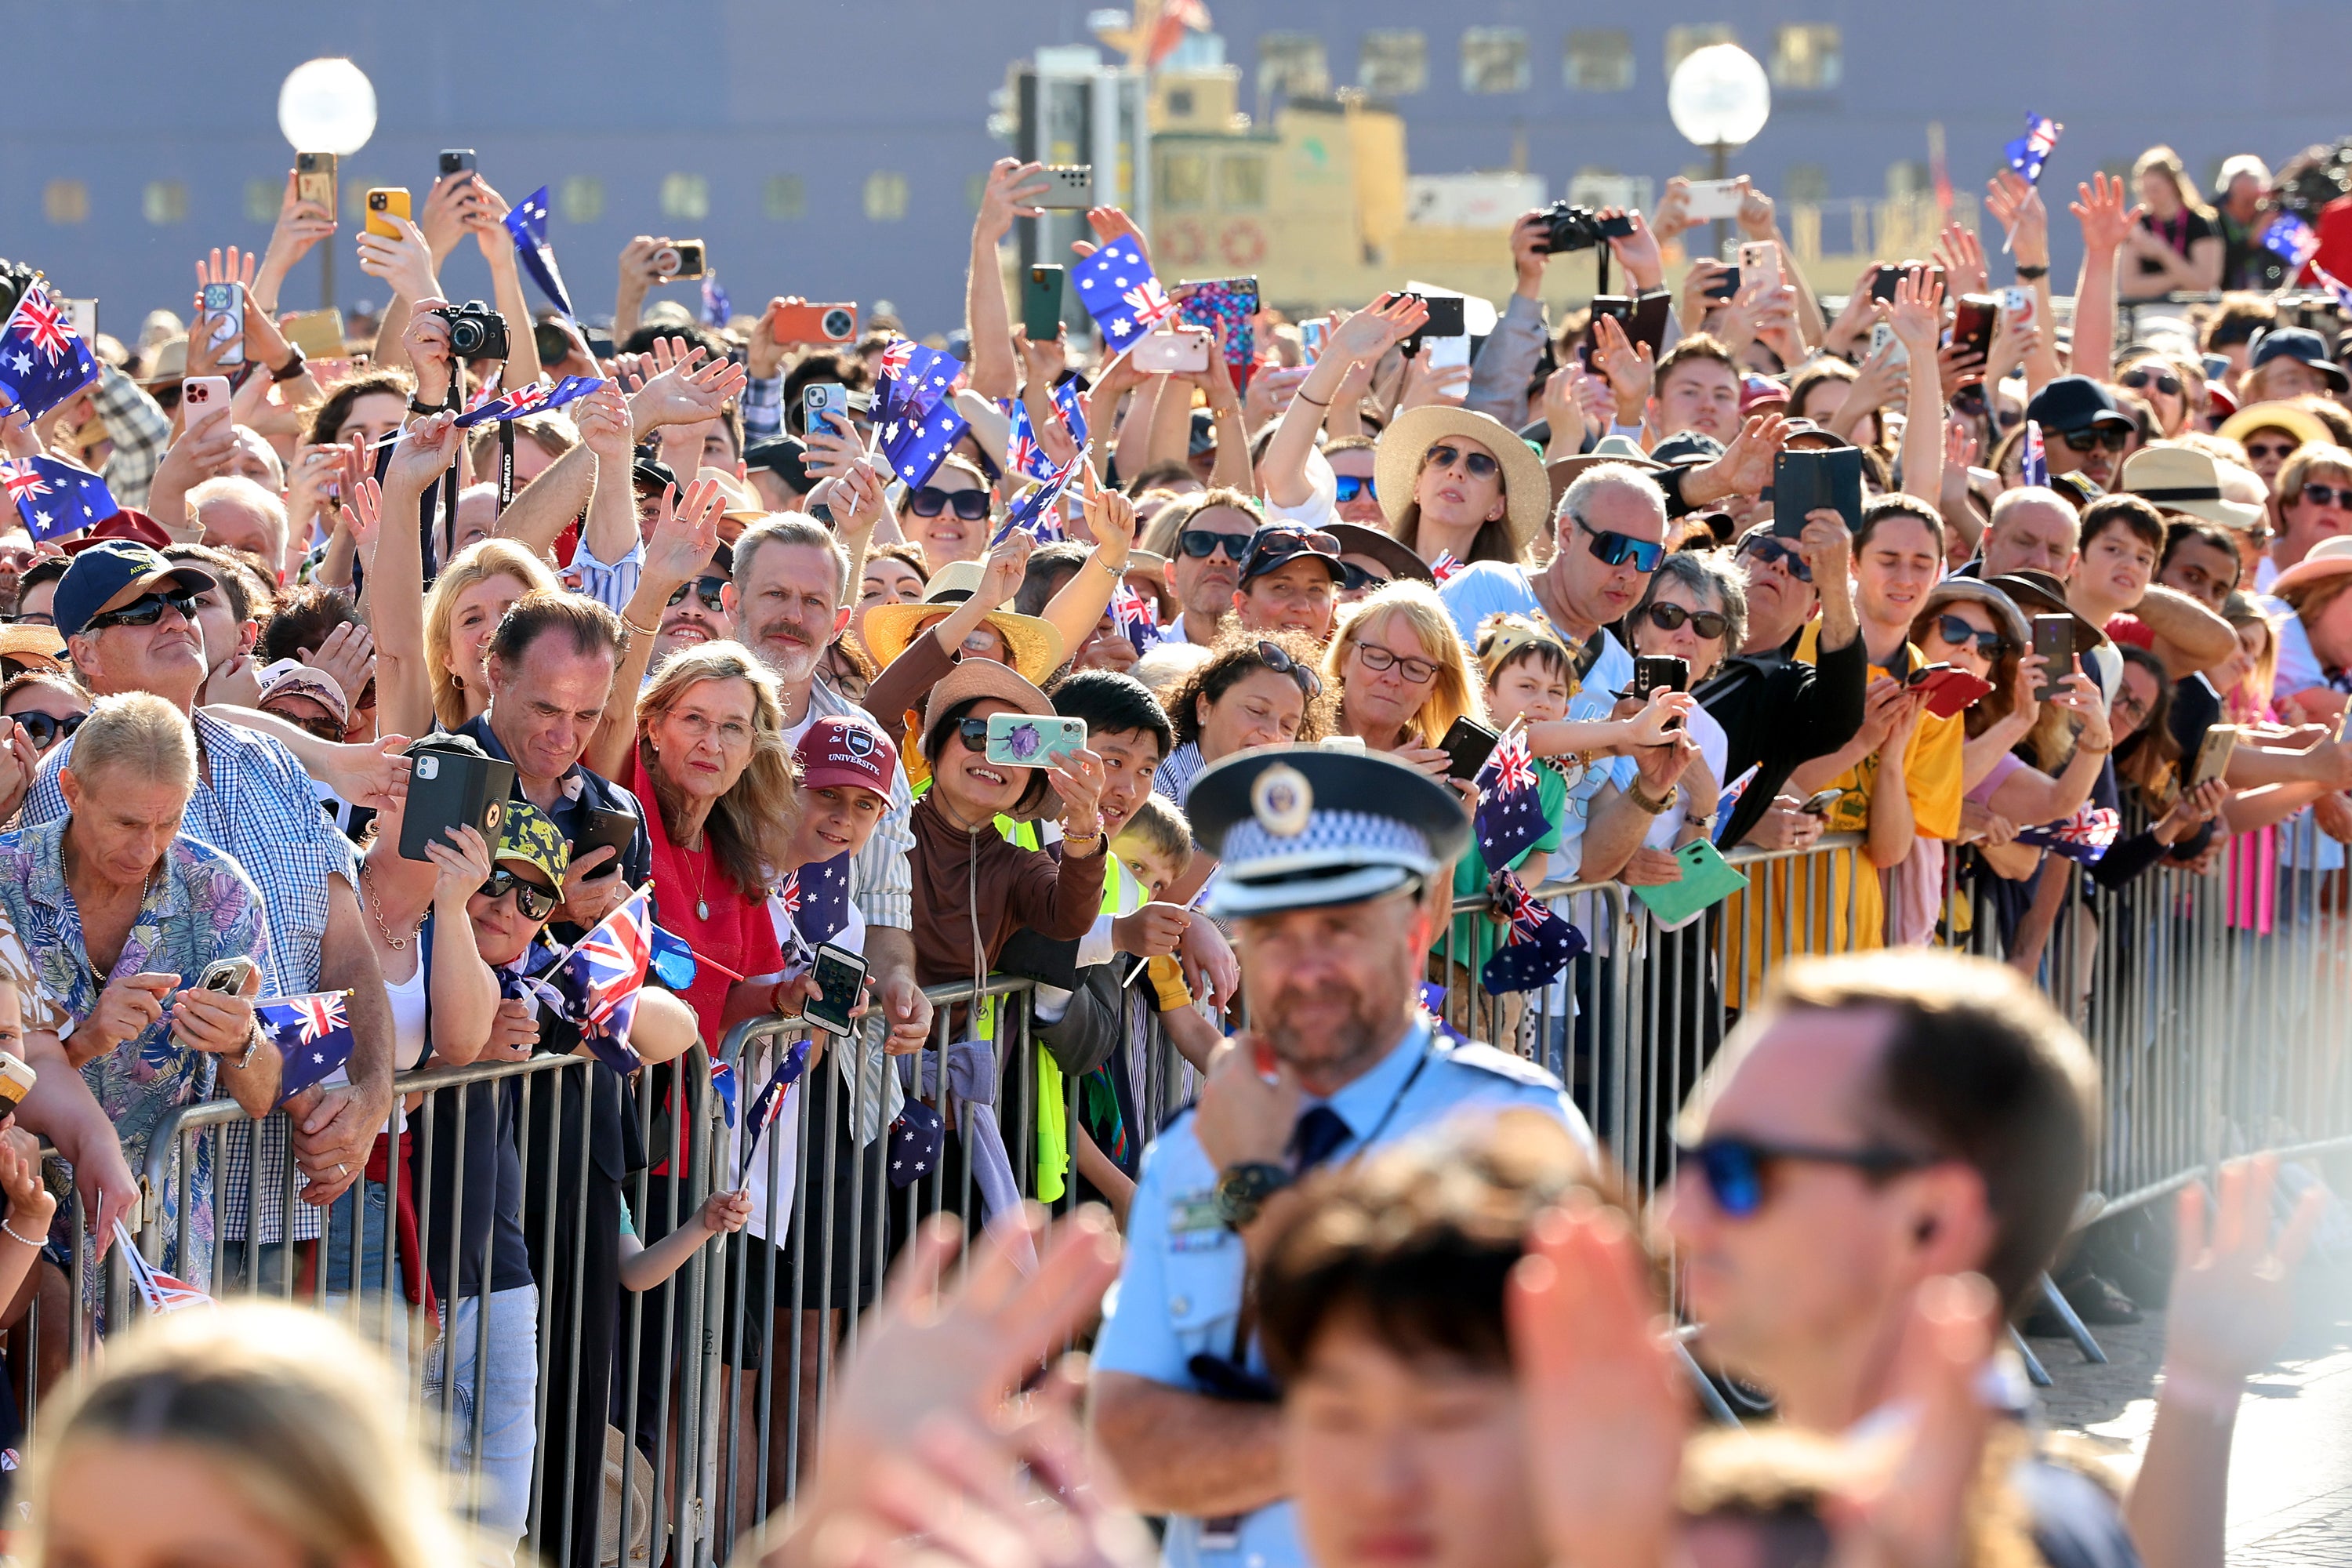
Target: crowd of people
x=737, y=660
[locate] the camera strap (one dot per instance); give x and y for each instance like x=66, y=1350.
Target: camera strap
x=506, y=464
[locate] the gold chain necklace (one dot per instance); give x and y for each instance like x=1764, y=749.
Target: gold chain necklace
x=397, y=943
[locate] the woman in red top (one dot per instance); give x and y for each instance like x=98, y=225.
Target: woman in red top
x=712, y=762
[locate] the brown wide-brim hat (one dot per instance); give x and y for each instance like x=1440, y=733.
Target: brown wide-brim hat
x=977, y=678
x=1355, y=538
x=1396, y=465
x=2039, y=594
x=37, y=646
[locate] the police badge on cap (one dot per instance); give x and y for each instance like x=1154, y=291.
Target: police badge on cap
x=1296, y=827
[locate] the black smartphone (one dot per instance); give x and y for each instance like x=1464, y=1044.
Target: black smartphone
x=1883, y=282
x=1467, y=745
x=1653, y=670
x=1445, y=319
x=456, y=161
x=1642, y=317
x=1819, y=805
x=601, y=828
x=1725, y=284
x=1974, y=317
x=1806, y=481
x=1041, y=304
x=2054, y=639
x=449, y=788
x=841, y=975
x=1618, y=228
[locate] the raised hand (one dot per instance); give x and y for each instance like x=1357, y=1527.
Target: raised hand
x=683, y=394
x=426, y=449
x=1636, y=252
x=686, y=533
x=2106, y=213
x=402, y=262
x=426, y=338
x=1962, y=258
x=2017, y=208
x=1916, y=312
x=1628, y=367
x=346, y=655
x=2232, y=1281
x=1377, y=328
x=1011, y=191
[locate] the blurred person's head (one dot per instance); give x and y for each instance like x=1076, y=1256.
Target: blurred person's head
x=2313, y=489
x=366, y=408
x=231, y=611
x=462, y=611
x=49, y=706
x=2033, y=529
x=894, y=574
x=238, y=514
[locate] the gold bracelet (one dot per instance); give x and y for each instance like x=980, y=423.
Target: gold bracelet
x=641, y=631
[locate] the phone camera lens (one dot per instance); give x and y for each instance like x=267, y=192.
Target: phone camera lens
x=839, y=325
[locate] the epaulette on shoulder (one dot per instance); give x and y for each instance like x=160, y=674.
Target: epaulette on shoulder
x=1486, y=1058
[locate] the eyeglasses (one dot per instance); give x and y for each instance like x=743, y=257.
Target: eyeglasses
x=711, y=591
x=2139, y=380
x=1613, y=549
x=929, y=500
x=2110, y=438
x=973, y=733
x=1477, y=465
x=1708, y=624
x=2328, y=495
x=1733, y=1168
x=2258, y=450
x=321, y=725
x=1416, y=672
x=1281, y=543
x=1348, y=487
x=45, y=730
x=532, y=901
x=1771, y=551
x=1276, y=657
x=144, y=611
x=1960, y=634
x=1353, y=577
x=1200, y=543
x=35, y=618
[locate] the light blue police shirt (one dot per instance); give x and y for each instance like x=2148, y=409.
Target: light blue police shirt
x=1180, y=1291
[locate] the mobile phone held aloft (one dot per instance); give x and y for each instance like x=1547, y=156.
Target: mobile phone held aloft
x=1807, y=481
x=1029, y=740
x=225, y=322
x=681, y=259
x=456, y=161
x=1711, y=199
x=805, y=323
x=449, y=788
x=820, y=399
x=203, y=400
x=1445, y=318
x=314, y=179
x=1069, y=187
x=1654, y=672
x=1974, y=317
x=385, y=203
x=1184, y=348
x=2054, y=639
x=1041, y=304
x=1467, y=745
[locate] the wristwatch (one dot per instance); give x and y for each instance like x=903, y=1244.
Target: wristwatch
x=252, y=1044
x=1243, y=1189
x=2030, y=274
x=1634, y=792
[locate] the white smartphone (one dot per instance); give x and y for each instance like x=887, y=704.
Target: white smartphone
x=1760, y=261
x=1882, y=335
x=1186, y=348
x=225, y=975
x=1712, y=199
x=2016, y=304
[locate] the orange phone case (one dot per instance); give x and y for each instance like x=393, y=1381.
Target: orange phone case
x=396, y=201
x=805, y=324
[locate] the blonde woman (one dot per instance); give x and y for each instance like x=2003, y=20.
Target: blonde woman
x=1402, y=675
x=267, y=1433
x=2176, y=245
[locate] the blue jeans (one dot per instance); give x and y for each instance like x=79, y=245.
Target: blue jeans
x=381, y=1319
x=506, y=1394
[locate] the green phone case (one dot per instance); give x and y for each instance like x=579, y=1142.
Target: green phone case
x=1707, y=879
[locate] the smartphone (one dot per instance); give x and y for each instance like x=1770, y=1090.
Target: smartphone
x=203, y=401
x=2016, y=304
x=1029, y=740
x=602, y=829
x=1883, y=282
x=811, y=324
x=1041, y=304
x=83, y=315
x=1654, y=671
x=1723, y=287
x=224, y=321
x=1467, y=745
x=1642, y=316
x=317, y=333
x=1445, y=319
x=2054, y=639
x=819, y=398
x=1974, y=317
x=841, y=975
x=17, y=1081
x=1618, y=228
x=385, y=203
x=1186, y=348
x=2213, y=755
x=1068, y=187
x=1712, y=199
x=448, y=789
x=1312, y=336
x=1807, y=481
x=456, y=161
x=1949, y=689
x=1819, y=805
x=1882, y=336
x=679, y=258
x=225, y=975
x=314, y=179
x=1760, y=259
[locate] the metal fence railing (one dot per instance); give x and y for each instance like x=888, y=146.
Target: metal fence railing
x=2219, y=1018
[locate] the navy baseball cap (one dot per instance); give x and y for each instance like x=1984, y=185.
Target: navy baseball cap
x=2073, y=403
x=112, y=569
x=2298, y=343
x=1271, y=549
x=784, y=457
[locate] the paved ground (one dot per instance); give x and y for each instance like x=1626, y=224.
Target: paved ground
x=2291, y=1471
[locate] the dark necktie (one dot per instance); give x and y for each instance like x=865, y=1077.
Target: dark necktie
x=1318, y=1137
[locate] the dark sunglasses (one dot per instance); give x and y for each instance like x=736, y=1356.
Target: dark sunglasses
x=531, y=901
x=324, y=727
x=1348, y=487
x=929, y=500
x=711, y=591
x=1613, y=549
x=1771, y=551
x=2110, y=438
x=2259, y=450
x=45, y=730
x=1276, y=657
x=1960, y=634
x=1733, y=1168
x=973, y=733
x=1477, y=465
x=1281, y=543
x=1354, y=578
x=2327, y=495
x=144, y=611
x=1200, y=543
x=1705, y=623
x=2139, y=380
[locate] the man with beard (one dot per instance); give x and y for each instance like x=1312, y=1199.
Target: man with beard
x=1337, y=874
x=2084, y=430
x=700, y=611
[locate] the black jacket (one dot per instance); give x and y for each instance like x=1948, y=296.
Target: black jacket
x=1777, y=712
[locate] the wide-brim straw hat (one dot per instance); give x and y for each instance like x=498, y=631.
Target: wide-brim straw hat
x=2306, y=427
x=2328, y=557
x=2184, y=479
x=1396, y=466
x=890, y=629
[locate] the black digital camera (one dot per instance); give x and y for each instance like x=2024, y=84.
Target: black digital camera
x=476, y=332
x=1573, y=227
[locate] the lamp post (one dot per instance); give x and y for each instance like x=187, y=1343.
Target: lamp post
x=1719, y=99
x=326, y=106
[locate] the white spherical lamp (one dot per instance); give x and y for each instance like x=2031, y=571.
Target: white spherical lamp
x=1719, y=97
x=326, y=106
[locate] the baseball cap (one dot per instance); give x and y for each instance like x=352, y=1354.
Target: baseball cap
x=1270, y=549
x=653, y=471
x=844, y=750
x=292, y=678
x=2299, y=343
x=785, y=458
x=529, y=835
x=109, y=569
x=2075, y=403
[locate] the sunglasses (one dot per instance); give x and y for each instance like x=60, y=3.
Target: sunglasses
x=2111, y=439
x=1960, y=634
x=929, y=500
x=2261, y=449
x=1771, y=551
x=2139, y=380
x=1348, y=487
x=322, y=726
x=711, y=591
x=1200, y=543
x=973, y=733
x=46, y=731
x=1708, y=624
x=1613, y=549
x=1281, y=543
x=1733, y=1168
x=1477, y=465
x=1354, y=578
x=2328, y=495
x=35, y=618
x=532, y=901
x=144, y=611
x=1276, y=657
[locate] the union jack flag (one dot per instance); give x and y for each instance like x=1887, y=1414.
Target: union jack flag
x=771, y=1102
x=1038, y=513
x=1133, y=615
x=1150, y=302
x=1729, y=798
x=2329, y=281
x=1446, y=565
x=43, y=360
x=2085, y=836
x=312, y=1034
x=2290, y=239
x=534, y=398
x=2030, y=151
x=1539, y=945
x=160, y=1291
x=2034, y=466
x=54, y=498
x=1510, y=820
x=600, y=976
x=1121, y=291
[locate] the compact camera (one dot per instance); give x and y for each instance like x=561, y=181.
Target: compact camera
x=476, y=332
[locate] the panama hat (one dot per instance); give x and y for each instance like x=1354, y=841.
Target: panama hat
x=2184, y=479
x=1396, y=465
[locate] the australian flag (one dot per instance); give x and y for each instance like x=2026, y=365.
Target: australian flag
x=43, y=360
x=1132, y=614
x=716, y=306
x=771, y=1102
x=535, y=399
x=2085, y=836
x=528, y=224
x=1510, y=809
x=722, y=1084
x=2333, y=285
x=1540, y=946
x=54, y=498
x=1122, y=294
x=915, y=446
x=2034, y=469
x=161, y=1292
x=2030, y=151
x=816, y=898
x=1027, y=454
x=313, y=1032
x=2290, y=239
x=912, y=381
x=600, y=978
x=1728, y=801
x=1433, y=1004
x=1039, y=513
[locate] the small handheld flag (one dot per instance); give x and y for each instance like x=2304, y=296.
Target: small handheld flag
x=1728, y=801
x=1540, y=946
x=1122, y=294
x=528, y=224
x=43, y=360
x=54, y=498
x=2085, y=836
x=1039, y=512
x=312, y=1034
x=2333, y=285
x=1133, y=616
x=816, y=898
x=771, y=1102
x=913, y=380
x=2290, y=240
x=716, y=306
x=2034, y=466
x=160, y=1291
x=1510, y=820
x=722, y=1084
x=600, y=978
x=1446, y=565
x=915, y=446
x=534, y=398
x=2030, y=151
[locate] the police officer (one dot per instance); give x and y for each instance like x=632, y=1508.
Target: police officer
x=1336, y=873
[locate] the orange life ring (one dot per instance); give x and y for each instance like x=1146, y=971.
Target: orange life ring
x=1242, y=243
x=1182, y=243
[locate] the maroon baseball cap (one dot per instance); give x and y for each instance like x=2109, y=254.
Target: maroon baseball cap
x=841, y=750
